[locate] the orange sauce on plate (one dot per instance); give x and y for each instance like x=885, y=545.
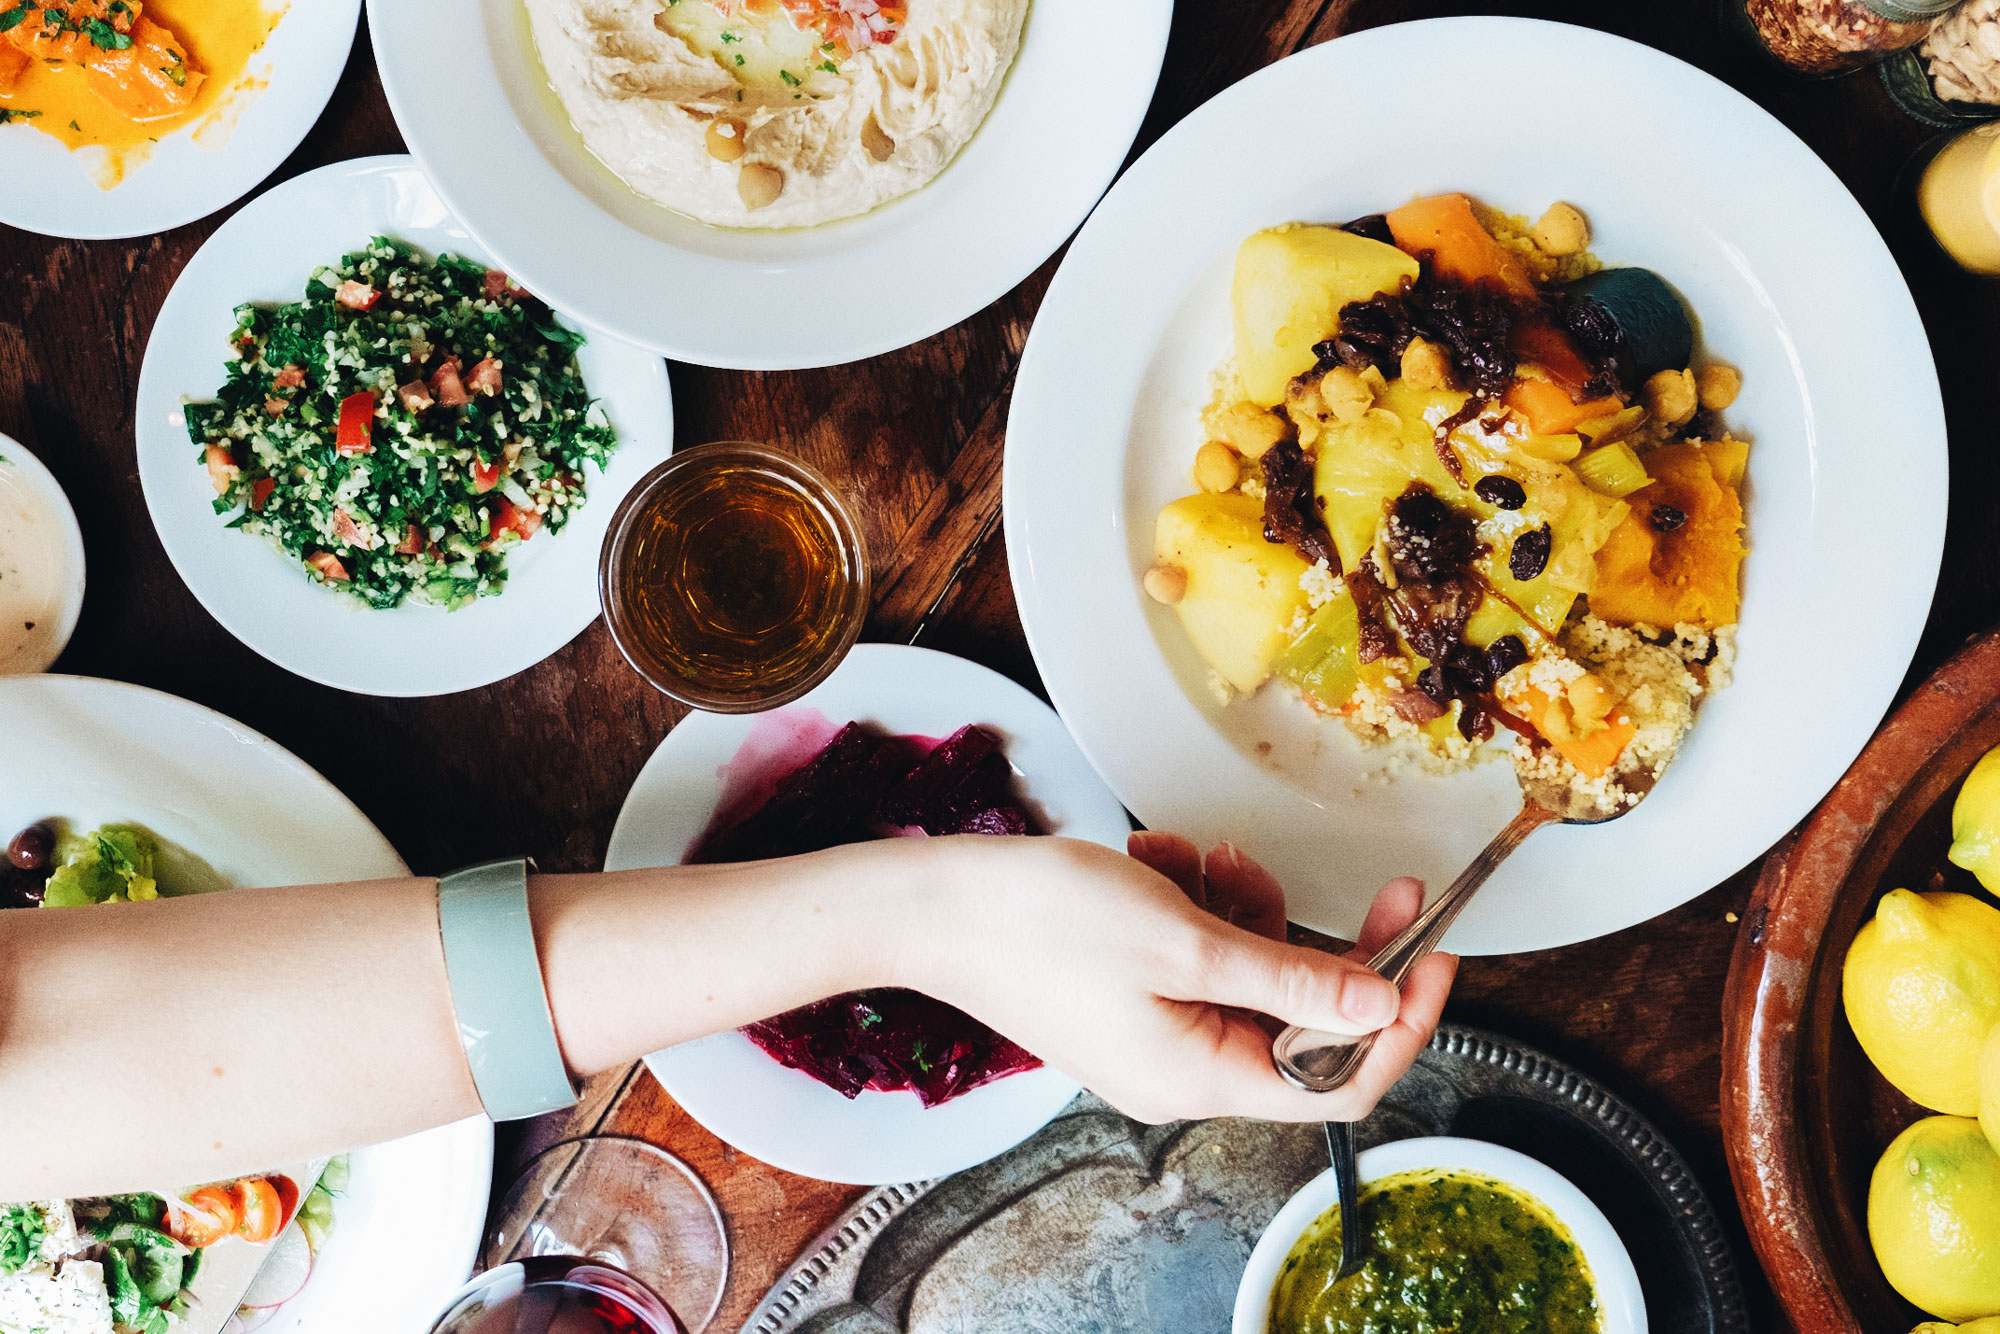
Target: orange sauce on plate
x=184, y=65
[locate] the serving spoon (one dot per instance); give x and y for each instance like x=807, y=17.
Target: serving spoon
x=1321, y=1062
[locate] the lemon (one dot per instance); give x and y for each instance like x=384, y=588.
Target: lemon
x=1989, y=1093
x=1922, y=991
x=1975, y=822
x=1934, y=1218
x=1984, y=1325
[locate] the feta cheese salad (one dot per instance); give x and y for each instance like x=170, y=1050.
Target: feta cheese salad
x=402, y=427
x=126, y=1264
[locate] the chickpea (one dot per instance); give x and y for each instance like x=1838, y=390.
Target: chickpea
x=1670, y=397
x=1717, y=386
x=725, y=138
x=1589, y=698
x=1166, y=583
x=876, y=140
x=1346, y=395
x=1217, y=467
x=759, y=186
x=1425, y=365
x=1563, y=230
x=1248, y=429
x=1556, y=722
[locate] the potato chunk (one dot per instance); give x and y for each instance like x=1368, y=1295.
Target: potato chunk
x=1291, y=282
x=1242, y=592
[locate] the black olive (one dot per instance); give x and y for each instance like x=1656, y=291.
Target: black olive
x=32, y=848
x=1530, y=555
x=1504, y=654
x=1375, y=227
x=1500, y=491
x=1666, y=518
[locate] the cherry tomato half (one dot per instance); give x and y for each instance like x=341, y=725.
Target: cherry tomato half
x=261, y=1212
x=204, y=1217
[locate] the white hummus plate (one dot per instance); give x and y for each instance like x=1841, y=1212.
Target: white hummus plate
x=407, y=1229
x=265, y=253
x=1678, y=173
x=198, y=168
x=469, y=94
x=784, y=1117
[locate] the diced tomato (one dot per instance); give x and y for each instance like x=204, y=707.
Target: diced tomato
x=328, y=567
x=357, y=424
x=261, y=1212
x=446, y=387
x=412, y=543
x=203, y=1218
x=291, y=377
x=288, y=1196
x=508, y=517
x=484, y=377
x=485, y=476
x=260, y=491
x=415, y=396
x=276, y=406
x=349, y=531
x=498, y=285
x=222, y=469
x=357, y=296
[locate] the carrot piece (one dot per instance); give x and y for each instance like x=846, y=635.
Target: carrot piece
x=14, y=62
x=1547, y=408
x=1550, y=348
x=1593, y=753
x=1459, y=247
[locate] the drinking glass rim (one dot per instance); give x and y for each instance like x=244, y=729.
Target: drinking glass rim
x=817, y=488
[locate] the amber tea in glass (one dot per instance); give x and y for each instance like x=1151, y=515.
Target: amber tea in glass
x=734, y=577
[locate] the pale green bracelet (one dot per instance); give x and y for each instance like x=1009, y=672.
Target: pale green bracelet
x=497, y=992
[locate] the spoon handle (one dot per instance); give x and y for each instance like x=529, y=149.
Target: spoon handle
x=1322, y=1062
x=1340, y=1150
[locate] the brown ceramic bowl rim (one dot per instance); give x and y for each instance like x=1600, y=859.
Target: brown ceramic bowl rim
x=810, y=480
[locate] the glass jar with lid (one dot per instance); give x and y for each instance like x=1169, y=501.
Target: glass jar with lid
x=1827, y=37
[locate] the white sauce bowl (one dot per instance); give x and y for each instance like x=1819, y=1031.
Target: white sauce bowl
x=51, y=525
x=1621, y=1305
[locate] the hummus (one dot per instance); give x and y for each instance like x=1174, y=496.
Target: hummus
x=749, y=114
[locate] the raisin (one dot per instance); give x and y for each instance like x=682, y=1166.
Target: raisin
x=1501, y=492
x=1504, y=654
x=1530, y=554
x=1666, y=518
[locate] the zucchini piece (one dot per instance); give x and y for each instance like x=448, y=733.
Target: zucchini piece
x=1633, y=316
x=1613, y=470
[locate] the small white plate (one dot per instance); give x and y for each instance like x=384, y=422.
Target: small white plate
x=266, y=253
x=777, y=1114
x=407, y=1230
x=1621, y=1303
x=199, y=168
x=1678, y=173
x=782, y=300
x=17, y=461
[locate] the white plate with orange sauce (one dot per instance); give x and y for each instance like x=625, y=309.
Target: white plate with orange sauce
x=80, y=168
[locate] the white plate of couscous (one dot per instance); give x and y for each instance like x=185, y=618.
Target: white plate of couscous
x=376, y=459
x=1666, y=471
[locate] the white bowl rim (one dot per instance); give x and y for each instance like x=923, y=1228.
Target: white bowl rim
x=1621, y=1303
x=15, y=455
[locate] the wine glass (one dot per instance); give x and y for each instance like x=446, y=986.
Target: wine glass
x=603, y=1234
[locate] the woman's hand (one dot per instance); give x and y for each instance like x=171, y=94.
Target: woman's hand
x=1147, y=980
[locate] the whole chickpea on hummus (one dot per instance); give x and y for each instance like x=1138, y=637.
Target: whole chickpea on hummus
x=776, y=113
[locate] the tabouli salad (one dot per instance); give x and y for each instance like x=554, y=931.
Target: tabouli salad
x=403, y=426
x=126, y=1264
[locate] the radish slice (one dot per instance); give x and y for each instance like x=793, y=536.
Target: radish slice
x=285, y=1270
x=245, y=1321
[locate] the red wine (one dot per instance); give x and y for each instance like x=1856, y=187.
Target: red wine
x=558, y=1294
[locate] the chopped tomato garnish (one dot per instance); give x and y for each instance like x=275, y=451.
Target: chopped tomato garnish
x=412, y=543
x=222, y=469
x=357, y=424
x=276, y=406
x=357, y=296
x=484, y=377
x=485, y=476
x=508, y=517
x=446, y=387
x=415, y=396
x=499, y=285
x=291, y=377
x=260, y=491
x=348, y=531
x=328, y=566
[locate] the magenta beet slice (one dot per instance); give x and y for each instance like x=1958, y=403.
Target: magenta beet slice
x=964, y=786
x=890, y=1040
x=825, y=803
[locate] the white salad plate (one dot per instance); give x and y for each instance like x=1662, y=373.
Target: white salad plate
x=19, y=463
x=779, y=299
x=198, y=168
x=782, y=1116
x=1620, y=1301
x=407, y=1229
x=1679, y=174
x=266, y=253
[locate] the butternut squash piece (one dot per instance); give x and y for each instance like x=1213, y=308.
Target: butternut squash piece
x=1593, y=753
x=1548, y=409
x=1460, y=248
x=1689, y=573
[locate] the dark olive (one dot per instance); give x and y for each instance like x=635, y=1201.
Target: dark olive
x=32, y=848
x=1666, y=518
x=1530, y=555
x=1500, y=492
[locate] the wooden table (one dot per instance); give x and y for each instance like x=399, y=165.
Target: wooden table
x=539, y=764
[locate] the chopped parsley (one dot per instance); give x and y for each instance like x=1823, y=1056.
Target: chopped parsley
x=12, y=17
x=729, y=36
x=74, y=126
x=739, y=60
x=789, y=77
x=829, y=67
x=21, y=1233
x=8, y=113
x=105, y=37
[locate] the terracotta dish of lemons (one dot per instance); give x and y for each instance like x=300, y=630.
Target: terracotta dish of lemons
x=1463, y=482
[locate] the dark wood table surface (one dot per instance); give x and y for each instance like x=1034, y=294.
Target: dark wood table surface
x=539, y=763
